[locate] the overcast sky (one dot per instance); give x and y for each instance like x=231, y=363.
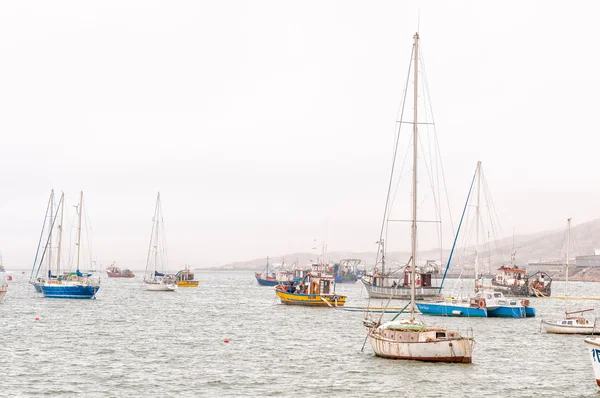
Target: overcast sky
x=267, y=124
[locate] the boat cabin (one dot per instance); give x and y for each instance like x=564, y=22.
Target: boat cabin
x=184, y=275
x=576, y=321
x=510, y=275
x=315, y=283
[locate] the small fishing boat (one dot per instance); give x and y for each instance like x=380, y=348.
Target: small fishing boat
x=594, y=350
x=185, y=278
x=113, y=271
x=407, y=338
x=571, y=323
x=513, y=281
x=316, y=289
x=266, y=278
x=157, y=257
x=278, y=275
x=345, y=270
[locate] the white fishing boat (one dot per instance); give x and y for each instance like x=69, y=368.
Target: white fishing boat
x=157, y=257
x=408, y=338
x=594, y=350
x=571, y=323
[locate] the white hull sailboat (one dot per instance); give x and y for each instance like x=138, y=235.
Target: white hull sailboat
x=408, y=338
x=158, y=286
x=570, y=324
x=433, y=344
x=154, y=280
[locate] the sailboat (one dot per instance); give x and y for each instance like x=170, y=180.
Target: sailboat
x=157, y=256
x=571, y=323
x=3, y=282
x=408, y=338
x=75, y=284
x=483, y=303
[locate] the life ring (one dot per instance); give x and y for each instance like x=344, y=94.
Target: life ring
x=481, y=304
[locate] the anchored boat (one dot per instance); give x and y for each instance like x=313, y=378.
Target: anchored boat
x=76, y=284
x=113, y=271
x=345, y=270
x=3, y=283
x=408, y=338
x=185, y=278
x=157, y=257
x=316, y=289
x=570, y=324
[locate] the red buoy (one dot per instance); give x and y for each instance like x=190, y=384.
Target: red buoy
x=225, y=341
x=37, y=318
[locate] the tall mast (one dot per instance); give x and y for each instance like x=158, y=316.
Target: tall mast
x=60, y=229
x=157, y=216
x=477, y=222
x=567, y=266
x=51, y=223
x=79, y=210
x=148, y=259
x=414, y=184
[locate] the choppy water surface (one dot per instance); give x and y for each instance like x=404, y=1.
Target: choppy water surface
x=130, y=342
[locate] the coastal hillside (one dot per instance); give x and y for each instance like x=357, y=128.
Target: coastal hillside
x=546, y=245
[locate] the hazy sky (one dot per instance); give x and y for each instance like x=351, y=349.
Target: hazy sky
x=267, y=124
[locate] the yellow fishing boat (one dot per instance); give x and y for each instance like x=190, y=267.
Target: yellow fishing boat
x=185, y=278
x=315, y=289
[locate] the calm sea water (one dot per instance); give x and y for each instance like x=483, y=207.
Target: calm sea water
x=130, y=342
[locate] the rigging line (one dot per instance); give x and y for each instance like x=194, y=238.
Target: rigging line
x=152, y=237
x=88, y=233
x=395, y=150
x=49, y=236
x=426, y=88
x=457, y=232
x=434, y=173
x=492, y=209
x=39, y=243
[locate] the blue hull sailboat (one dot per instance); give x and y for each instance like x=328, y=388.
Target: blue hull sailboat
x=68, y=285
x=70, y=291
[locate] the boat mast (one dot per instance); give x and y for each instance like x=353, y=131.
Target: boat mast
x=567, y=266
x=477, y=222
x=157, y=216
x=50, y=237
x=414, y=184
x=60, y=229
x=80, y=209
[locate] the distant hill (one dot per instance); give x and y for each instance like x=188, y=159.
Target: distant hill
x=546, y=245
